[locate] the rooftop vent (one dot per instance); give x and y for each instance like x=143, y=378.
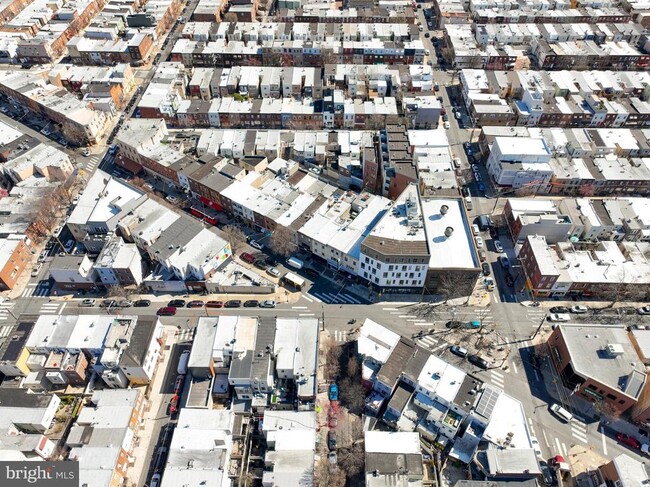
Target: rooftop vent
x=615, y=349
x=449, y=231
x=444, y=209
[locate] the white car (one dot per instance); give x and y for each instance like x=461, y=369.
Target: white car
x=446, y=124
x=36, y=270
x=579, y=310
x=269, y=303
x=644, y=311
x=155, y=480
x=171, y=199
x=87, y=303
x=86, y=152
x=76, y=199
x=256, y=245
x=57, y=231
x=479, y=243
x=272, y=271
x=558, y=317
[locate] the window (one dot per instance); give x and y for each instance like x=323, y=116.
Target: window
x=610, y=396
x=385, y=274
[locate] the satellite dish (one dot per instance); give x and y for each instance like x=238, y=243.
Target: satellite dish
x=574, y=239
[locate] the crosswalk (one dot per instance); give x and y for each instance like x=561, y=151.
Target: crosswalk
x=303, y=311
x=6, y=330
x=561, y=448
x=497, y=378
x=53, y=308
x=5, y=310
x=535, y=316
x=339, y=298
x=340, y=336
x=432, y=343
x=36, y=289
x=579, y=431
x=92, y=163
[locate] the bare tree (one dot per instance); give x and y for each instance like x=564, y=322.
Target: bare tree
x=332, y=359
x=605, y=408
x=352, y=459
x=282, y=241
x=375, y=122
x=352, y=394
x=353, y=367
x=525, y=191
x=235, y=236
x=326, y=475
x=447, y=286
x=115, y=291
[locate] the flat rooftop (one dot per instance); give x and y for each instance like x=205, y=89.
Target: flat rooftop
x=453, y=252
x=604, y=353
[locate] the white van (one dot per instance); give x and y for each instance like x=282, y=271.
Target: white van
x=295, y=263
x=561, y=413
x=468, y=202
x=475, y=229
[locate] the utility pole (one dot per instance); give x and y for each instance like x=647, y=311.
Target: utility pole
x=541, y=323
x=322, y=317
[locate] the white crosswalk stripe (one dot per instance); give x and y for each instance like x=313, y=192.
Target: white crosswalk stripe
x=339, y=335
x=92, y=162
x=428, y=342
x=497, y=378
x=579, y=431
x=49, y=308
x=336, y=298
x=29, y=290
x=5, y=331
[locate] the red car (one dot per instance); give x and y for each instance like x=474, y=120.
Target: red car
x=246, y=257
x=628, y=440
x=173, y=404
x=214, y=304
x=178, y=385
x=166, y=311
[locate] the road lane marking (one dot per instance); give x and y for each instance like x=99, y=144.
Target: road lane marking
x=546, y=439
x=514, y=367
x=536, y=375
x=61, y=308
x=602, y=434
x=315, y=298
x=404, y=316
x=559, y=447
x=306, y=314
x=299, y=307
x=307, y=298
x=389, y=309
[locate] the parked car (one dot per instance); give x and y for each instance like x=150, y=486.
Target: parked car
x=579, y=310
x=453, y=324
x=43, y=256
x=313, y=273
x=214, y=304
x=166, y=311
x=486, y=268
x=446, y=124
x=87, y=303
x=142, y=303
x=628, y=440
x=195, y=304
x=331, y=440
x=57, y=231
x=171, y=198
x=108, y=303
x=333, y=392
x=269, y=303
x=272, y=271
x=548, y=474
x=124, y=303
x=251, y=303
x=69, y=245
x=256, y=245
x=260, y=264
x=561, y=413
x=233, y=303
x=536, y=448
x=177, y=303
x=498, y=247
x=559, y=309
x=510, y=281
x=645, y=310
x=558, y=317
x=479, y=361
x=36, y=269
x=458, y=350
x=246, y=257
x=479, y=242
x=155, y=480
x=504, y=261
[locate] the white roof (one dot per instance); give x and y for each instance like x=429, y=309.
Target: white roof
x=392, y=442
x=103, y=198
x=456, y=251
x=508, y=420
x=442, y=379
x=376, y=341
x=522, y=146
